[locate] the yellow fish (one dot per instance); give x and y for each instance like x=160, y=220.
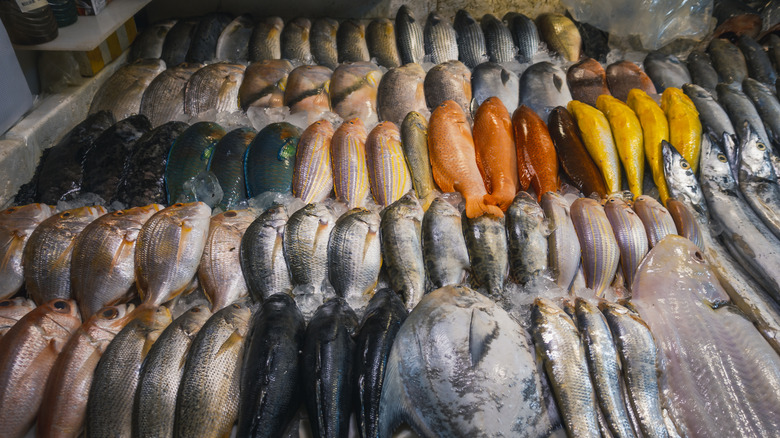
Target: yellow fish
x=684, y=125
x=597, y=136
x=655, y=129
x=627, y=133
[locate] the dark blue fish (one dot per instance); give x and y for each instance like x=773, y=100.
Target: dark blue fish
x=227, y=163
x=189, y=156
x=270, y=159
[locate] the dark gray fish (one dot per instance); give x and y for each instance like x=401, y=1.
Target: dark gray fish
x=767, y=106
x=262, y=255
x=381, y=40
x=527, y=232
x=728, y=61
x=498, y=39
x=449, y=81
x=265, y=44
x=324, y=46
x=163, y=99
x=773, y=43
x=758, y=64
x=400, y=91
x=233, y=42
x=327, y=365
x=122, y=92
x=666, y=71
x=190, y=155
x=401, y=235
x=736, y=17
x=488, y=253
x=409, y=36
x=740, y=110
x=595, y=42
x=490, y=79
x=295, y=40
x=702, y=72
x=543, y=87
x=263, y=84
x=526, y=37
x=351, y=42
x=204, y=41
x=444, y=247
x=471, y=40
x=214, y=86
x=441, y=41
x=177, y=41
x=711, y=113
x=227, y=163
x=149, y=44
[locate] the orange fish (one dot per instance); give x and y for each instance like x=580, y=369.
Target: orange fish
x=537, y=161
x=453, y=158
x=495, y=151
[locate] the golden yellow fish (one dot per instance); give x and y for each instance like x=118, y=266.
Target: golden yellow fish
x=627, y=133
x=597, y=136
x=655, y=129
x=684, y=125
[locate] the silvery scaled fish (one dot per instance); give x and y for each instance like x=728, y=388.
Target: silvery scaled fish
x=526, y=37
x=444, y=247
x=600, y=254
x=214, y=87
x=471, y=40
x=262, y=255
x=448, y=81
x=666, y=71
x=498, y=39
x=16, y=226
x=728, y=61
x=487, y=247
x=440, y=39
x=178, y=40
x=409, y=37
x=564, y=246
x=348, y=155
x=203, y=47
x=163, y=99
x=527, y=232
x=656, y=219
x=766, y=104
x=388, y=174
x=702, y=72
x=149, y=43
x=401, y=237
x=629, y=234
x=12, y=310
x=121, y=94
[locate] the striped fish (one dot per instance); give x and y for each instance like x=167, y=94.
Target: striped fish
x=657, y=220
x=600, y=255
x=348, y=158
x=630, y=236
x=388, y=173
x=313, y=175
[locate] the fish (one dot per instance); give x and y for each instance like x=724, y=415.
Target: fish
x=702, y=72
x=630, y=235
x=353, y=91
x=271, y=371
x=600, y=252
x=574, y=158
x=472, y=49
x=740, y=110
x=294, y=40
x=440, y=38
x=64, y=404
x=686, y=223
x=47, y=255
x=327, y=368
x=351, y=42
x=595, y=42
x=149, y=43
x=158, y=382
x=492, y=80
x=765, y=102
x=449, y=80
x=587, y=81
x=265, y=43
x=214, y=86
x=269, y=161
x=388, y=174
x=684, y=125
x=313, y=175
x=348, y=158
x=638, y=356
x=773, y=43
x=543, y=87
x=496, y=153
x=122, y=93
x=262, y=255
x=28, y=353
x=324, y=43
x=205, y=38
x=264, y=83
x=115, y=380
x=12, y=310
x=308, y=89
x=190, y=155
x=102, y=263
x=453, y=159
x=656, y=219
x=758, y=181
x=178, y=40
x=227, y=164
x=414, y=141
x=563, y=243
x=624, y=76
x=527, y=231
x=736, y=17
x=486, y=242
x=598, y=140
x=561, y=35
x=537, y=161
x=163, y=99
x=525, y=36
x=628, y=136
x=444, y=246
x=16, y=226
x=209, y=393
x=409, y=37
x=456, y=336
x=498, y=39
x=381, y=41
x=400, y=231
x=400, y=91
x=233, y=42
x=712, y=115
x=168, y=250
x=104, y=163
x=666, y=71
x=728, y=61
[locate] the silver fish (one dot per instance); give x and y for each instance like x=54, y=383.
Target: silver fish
x=400, y=91
x=656, y=219
x=448, y=81
x=488, y=254
x=758, y=181
x=666, y=71
x=564, y=246
x=265, y=43
x=149, y=44
x=444, y=247
x=16, y=226
x=122, y=92
x=262, y=255
x=471, y=40
x=526, y=37
x=441, y=41
x=401, y=238
x=527, y=232
x=600, y=253
x=543, y=87
x=729, y=61
x=323, y=42
x=214, y=87
x=295, y=40
x=409, y=37
x=702, y=72
x=163, y=99
x=629, y=234
x=381, y=40
x=233, y=42
x=351, y=42
x=498, y=39
x=490, y=79
x=711, y=113
x=766, y=104
x=741, y=110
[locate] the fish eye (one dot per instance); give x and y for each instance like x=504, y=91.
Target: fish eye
x=178, y=204
x=62, y=305
x=65, y=215
x=119, y=213
x=684, y=165
x=5, y=303
x=230, y=214
x=236, y=306
x=698, y=256
x=761, y=146
x=10, y=210
x=722, y=158
x=110, y=313
x=195, y=310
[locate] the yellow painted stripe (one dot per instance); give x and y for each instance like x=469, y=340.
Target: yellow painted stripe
x=95, y=60
x=114, y=48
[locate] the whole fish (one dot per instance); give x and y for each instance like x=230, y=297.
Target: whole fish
x=561, y=35
x=233, y=42
x=377, y=331
x=271, y=369
x=449, y=80
x=630, y=236
x=168, y=250
x=444, y=247
x=308, y=89
x=766, y=104
x=453, y=160
x=686, y=222
x=728, y=61
x=684, y=125
x=381, y=40
x=209, y=393
x=65, y=395
x=294, y=40
x=496, y=153
x=265, y=44
x=490, y=79
x=355, y=256
x=262, y=255
x=203, y=47
x=543, y=87
x=121, y=94
x=214, y=86
x=736, y=17
x=269, y=161
x=457, y=335
x=575, y=160
x=498, y=39
x=409, y=37
x=114, y=384
x=472, y=50
x=773, y=43
x=16, y=226
x=102, y=265
x=656, y=219
x=741, y=110
x=702, y=72
x=401, y=238
x=758, y=64
x=149, y=43
x=564, y=245
x=227, y=164
x=587, y=81
x=758, y=181
x=190, y=155
x=597, y=136
x=624, y=76
x=400, y=91
x=351, y=42
x=264, y=83
x=560, y=347
x=158, y=383
x=486, y=242
x=327, y=368
x=313, y=174
x=666, y=71
x=306, y=251
x=526, y=37
x=712, y=115
x=537, y=162
x=414, y=141
x=627, y=133
x=353, y=91
x=12, y=310
x=600, y=252
x=47, y=255
x=595, y=42
x=388, y=174
x=441, y=41
x=526, y=231
x=178, y=40
x=324, y=46
x=163, y=99
x=348, y=157
x=219, y=272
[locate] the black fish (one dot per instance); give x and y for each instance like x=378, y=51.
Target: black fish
x=758, y=64
x=204, y=41
x=178, y=41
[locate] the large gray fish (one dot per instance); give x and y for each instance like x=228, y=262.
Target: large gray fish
x=233, y=42
x=564, y=245
x=401, y=238
x=227, y=164
x=758, y=181
x=355, y=256
x=122, y=92
x=490, y=79
x=414, y=140
x=525, y=35
x=543, y=87
x=351, y=42
x=488, y=255
x=16, y=226
x=177, y=41
x=265, y=44
x=444, y=247
x=441, y=41
x=190, y=155
x=158, y=384
x=210, y=391
x=666, y=71
x=262, y=255
x=686, y=222
x=461, y=366
x=308, y=88
x=766, y=104
x=401, y=90
x=527, y=232
x=149, y=44
x=11, y=311
x=630, y=236
x=353, y=91
x=741, y=110
x=498, y=39
x=471, y=40
x=409, y=37
x=163, y=99
x=381, y=41
x=713, y=116
x=702, y=72
x=203, y=47
x=449, y=81
x=263, y=84
x=324, y=47
x=729, y=62
x=656, y=219
x=758, y=64
x=214, y=87
x=295, y=40
x=600, y=253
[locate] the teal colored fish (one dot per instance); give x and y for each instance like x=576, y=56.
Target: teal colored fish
x=190, y=155
x=270, y=159
x=227, y=163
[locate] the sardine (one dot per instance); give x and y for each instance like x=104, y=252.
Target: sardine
x=702, y=72
x=563, y=243
x=758, y=181
x=598, y=140
x=214, y=87
x=472, y=50
x=149, y=43
x=264, y=83
x=294, y=40
x=441, y=41
x=766, y=104
x=444, y=247
x=163, y=99
x=401, y=238
x=313, y=174
x=308, y=88
x=600, y=252
x=630, y=235
x=488, y=254
x=400, y=91
x=122, y=93
x=203, y=47
x=525, y=36
x=269, y=161
x=498, y=39
x=624, y=76
x=729, y=62
x=543, y=87
x=381, y=40
x=490, y=79
x=666, y=70
x=178, y=40
x=449, y=81
x=219, y=272
x=265, y=44
x=351, y=42
x=16, y=226
x=190, y=155
x=414, y=141
x=587, y=81
x=348, y=155
x=686, y=222
x=233, y=42
x=574, y=157
x=353, y=91
x=561, y=35
x=12, y=310
x=409, y=37
x=684, y=125
x=323, y=42
x=262, y=255
x=527, y=232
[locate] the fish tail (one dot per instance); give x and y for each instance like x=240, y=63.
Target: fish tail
x=498, y=199
x=476, y=207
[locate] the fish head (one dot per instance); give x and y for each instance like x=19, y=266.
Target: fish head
x=680, y=178
x=63, y=312
x=715, y=166
x=440, y=207
x=695, y=91
x=543, y=309
x=109, y=320
x=754, y=156
x=26, y=214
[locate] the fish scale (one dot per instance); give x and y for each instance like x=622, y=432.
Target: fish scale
x=233, y=42
x=526, y=230
x=306, y=245
x=525, y=36
x=12, y=310
x=471, y=40
x=295, y=40
x=178, y=40
x=227, y=163
x=401, y=238
x=324, y=43
x=381, y=40
x=263, y=84
x=270, y=159
x=600, y=255
x=409, y=37
x=441, y=41
x=351, y=42
x=487, y=248
x=214, y=87
x=444, y=247
x=265, y=43
x=163, y=99
x=630, y=236
x=498, y=39
x=262, y=255
x=564, y=245
x=16, y=226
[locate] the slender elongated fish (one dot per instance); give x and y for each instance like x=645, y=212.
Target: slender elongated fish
x=527, y=232
x=219, y=272
x=488, y=255
x=227, y=164
x=294, y=40
x=444, y=247
x=684, y=125
x=441, y=41
x=758, y=64
x=353, y=91
x=600, y=252
x=686, y=222
x=740, y=110
x=400, y=91
x=766, y=104
x=16, y=226
x=657, y=221
x=414, y=141
x=630, y=236
x=270, y=159
x=163, y=99
x=351, y=42
x=264, y=83
x=401, y=237
x=348, y=155
x=233, y=42
x=574, y=157
x=629, y=139
x=262, y=255
x=490, y=79
x=313, y=174
x=597, y=136
x=498, y=39
x=409, y=37
x=472, y=50
x=381, y=40
x=388, y=174
x=265, y=43
x=214, y=87
x=324, y=42
x=713, y=116
x=563, y=243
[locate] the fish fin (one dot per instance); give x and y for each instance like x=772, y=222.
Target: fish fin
x=502, y=202
x=393, y=409
x=482, y=330
x=234, y=340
